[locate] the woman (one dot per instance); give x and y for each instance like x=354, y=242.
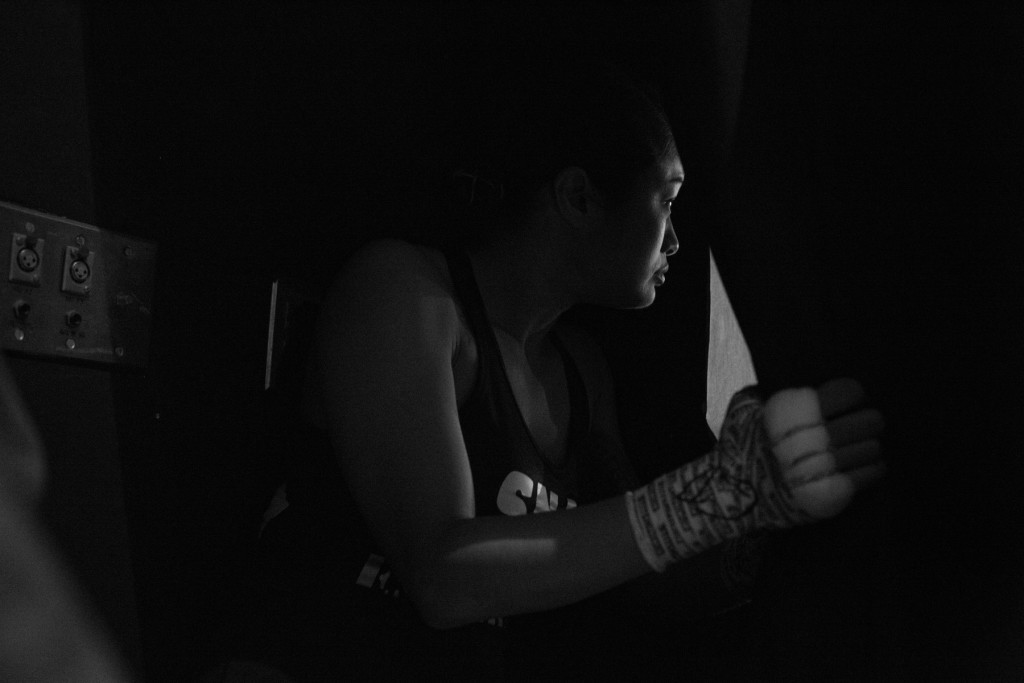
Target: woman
x=457, y=406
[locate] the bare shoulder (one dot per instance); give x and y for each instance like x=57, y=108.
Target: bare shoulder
x=391, y=278
x=390, y=309
x=386, y=264
x=390, y=297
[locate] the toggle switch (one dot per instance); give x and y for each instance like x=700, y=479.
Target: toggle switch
x=21, y=310
x=73, y=319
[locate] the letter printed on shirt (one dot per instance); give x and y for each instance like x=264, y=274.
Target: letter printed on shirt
x=521, y=495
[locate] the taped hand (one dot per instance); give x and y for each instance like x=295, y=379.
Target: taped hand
x=796, y=458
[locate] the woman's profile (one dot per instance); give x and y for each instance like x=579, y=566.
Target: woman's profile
x=464, y=501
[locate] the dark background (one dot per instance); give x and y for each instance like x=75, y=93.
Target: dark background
x=855, y=167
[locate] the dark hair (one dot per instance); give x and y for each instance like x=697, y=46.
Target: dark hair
x=547, y=117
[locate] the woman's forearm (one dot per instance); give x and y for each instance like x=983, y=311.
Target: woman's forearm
x=498, y=566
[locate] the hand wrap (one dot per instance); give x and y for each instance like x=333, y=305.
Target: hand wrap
x=746, y=483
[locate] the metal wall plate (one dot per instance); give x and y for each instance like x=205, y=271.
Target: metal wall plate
x=74, y=291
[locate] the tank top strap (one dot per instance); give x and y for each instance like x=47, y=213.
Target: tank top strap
x=467, y=292
x=579, y=405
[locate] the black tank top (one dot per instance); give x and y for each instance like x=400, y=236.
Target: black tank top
x=511, y=475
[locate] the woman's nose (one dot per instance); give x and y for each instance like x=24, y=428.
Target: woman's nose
x=670, y=243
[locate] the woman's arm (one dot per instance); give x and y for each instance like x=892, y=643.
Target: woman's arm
x=386, y=346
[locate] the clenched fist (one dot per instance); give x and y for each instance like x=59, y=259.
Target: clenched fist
x=796, y=458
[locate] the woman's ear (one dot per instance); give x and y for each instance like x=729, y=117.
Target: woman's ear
x=574, y=195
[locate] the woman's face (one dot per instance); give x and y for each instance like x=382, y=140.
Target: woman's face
x=631, y=243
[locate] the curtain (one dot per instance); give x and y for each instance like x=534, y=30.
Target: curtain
x=867, y=197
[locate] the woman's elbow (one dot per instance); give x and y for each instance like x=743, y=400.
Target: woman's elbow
x=438, y=616
x=439, y=606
